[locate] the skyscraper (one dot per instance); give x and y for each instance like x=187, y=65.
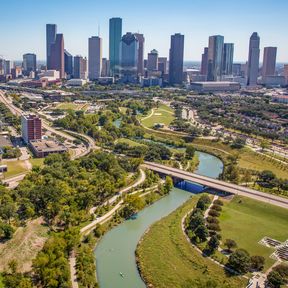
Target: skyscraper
x=80, y=67
x=215, y=57
x=228, y=55
x=269, y=61
x=129, y=57
x=141, y=41
x=57, y=55
x=176, y=58
x=152, y=60
x=162, y=65
x=29, y=63
x=115, y=34
x=51, y=31
x=253, y=59
x=68, y=60
x=95, y=57
x=285, y=72
x=204, y=62
x=105, y=67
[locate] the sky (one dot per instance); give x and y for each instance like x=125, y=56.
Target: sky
x=22, y=24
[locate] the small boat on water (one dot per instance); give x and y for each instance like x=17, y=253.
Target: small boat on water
x=121, y=274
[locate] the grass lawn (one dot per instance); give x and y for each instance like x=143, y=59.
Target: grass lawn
x=1, y=283
x=163, y=114
x=37, y=162
x=26, y=243
x=167, y=259
x=252, y=160
x=123, y=109
x=131, y=143
x=71, y=106
x=248, y=221
x=14, y=168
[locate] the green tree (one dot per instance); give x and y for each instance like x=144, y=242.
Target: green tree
x=190, y=152
x=201, y=232
x=230, y=244
x=240, y=261
x=257, y=262
x=168, y=186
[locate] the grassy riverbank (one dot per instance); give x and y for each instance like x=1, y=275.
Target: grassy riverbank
x=166, y=259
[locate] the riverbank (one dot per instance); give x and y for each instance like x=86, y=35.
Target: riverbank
x=166, y=259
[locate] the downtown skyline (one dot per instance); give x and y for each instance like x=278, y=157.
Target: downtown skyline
x=156, y=30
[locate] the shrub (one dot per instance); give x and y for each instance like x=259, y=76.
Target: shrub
x=218, y=202
x=211, y=219
x=216, y=207
x=213, y=213
x=240, y=261
x=214, y=227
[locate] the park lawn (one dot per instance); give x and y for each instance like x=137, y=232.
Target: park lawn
x=72, y=106
x=247, y=221
x=254, y=161
x=167, y=260
x=24, y=246
x=163, y=114
x=130, y=142
x=37, y=162
x=1, y=281
x=14, y=168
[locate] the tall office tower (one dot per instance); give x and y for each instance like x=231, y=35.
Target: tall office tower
x=29, y=63
x=31, y=126
x=1, y=66
x=176, y=58
x=215, y=57
x=129, y=46
x=228, y=55
x=68, y=60
x=152, y=61
x=269, y=61
x=105, y=67
x=286, y=72
x=80, y=67
x=253, y=59
x=8, y=65
x=115, y=34
x=162, y=65
x=51, y=31
x=204, y=62
x=57, y=55
x=95, y=57
x=141, y=41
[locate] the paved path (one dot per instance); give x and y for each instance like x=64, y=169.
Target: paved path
x=73, y=271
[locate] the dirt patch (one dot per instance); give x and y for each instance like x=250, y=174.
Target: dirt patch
x=24, y=246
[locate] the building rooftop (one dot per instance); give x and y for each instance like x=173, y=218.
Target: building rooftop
x=47, y=146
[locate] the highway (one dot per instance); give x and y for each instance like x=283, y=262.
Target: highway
x=217, y=184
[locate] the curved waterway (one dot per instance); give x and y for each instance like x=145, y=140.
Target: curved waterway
x=115, y=254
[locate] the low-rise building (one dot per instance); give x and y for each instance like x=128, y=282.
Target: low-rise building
x=210, y=87
x=42, y=148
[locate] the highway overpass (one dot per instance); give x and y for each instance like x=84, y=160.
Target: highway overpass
x=217, y=184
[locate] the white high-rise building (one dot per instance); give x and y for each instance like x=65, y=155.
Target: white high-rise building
x=95, y=58
x=253, y=59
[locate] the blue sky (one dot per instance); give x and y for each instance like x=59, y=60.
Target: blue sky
x=22, y=24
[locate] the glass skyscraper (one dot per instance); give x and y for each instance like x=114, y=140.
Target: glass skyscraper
x=228, y=55
x=176, y=58
x=29, y=63
x=215, y=57
x=253, y=59
x=51, y=31
x=115, y=34
x=129, y=58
